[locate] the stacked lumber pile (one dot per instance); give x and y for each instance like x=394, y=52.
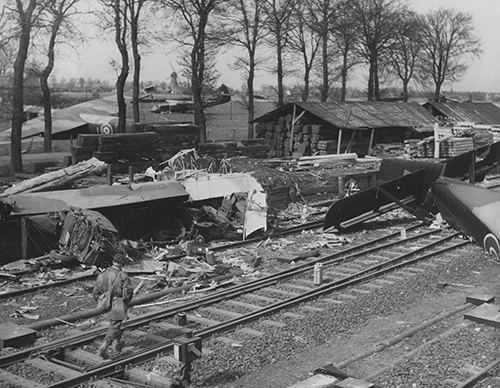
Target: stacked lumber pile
x=174, y=137
x=454, y=146
x=326, y=159
x=326, y=147
x=283, y=140
x=250, y=148
x=119, y=147
x=482, y=138
x=413, y=148
x=388, y=149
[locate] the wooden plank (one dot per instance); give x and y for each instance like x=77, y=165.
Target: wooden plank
x=486, y=313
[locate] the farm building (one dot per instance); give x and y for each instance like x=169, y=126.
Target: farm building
x=299, y=129
x=485, y=113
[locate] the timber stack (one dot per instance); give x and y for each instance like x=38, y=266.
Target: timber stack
x=287, y=138
x=117, y=148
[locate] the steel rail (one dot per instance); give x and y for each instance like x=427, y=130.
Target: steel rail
x=338, y=256
x=278, y=233
x=115, y=367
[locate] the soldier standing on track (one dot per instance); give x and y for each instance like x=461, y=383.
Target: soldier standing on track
x=116, y=285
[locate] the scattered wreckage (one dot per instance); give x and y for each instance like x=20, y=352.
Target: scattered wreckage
x=424, y=188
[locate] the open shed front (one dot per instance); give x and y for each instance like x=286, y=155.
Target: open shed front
x=302, y=129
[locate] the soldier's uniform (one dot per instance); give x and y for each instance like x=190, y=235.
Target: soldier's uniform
x=121, y=296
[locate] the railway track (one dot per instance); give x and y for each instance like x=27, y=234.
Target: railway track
x=347, y=270
x=317, y=223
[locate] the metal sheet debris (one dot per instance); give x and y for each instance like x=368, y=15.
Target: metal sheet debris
x=471, y=209
x=96, y=197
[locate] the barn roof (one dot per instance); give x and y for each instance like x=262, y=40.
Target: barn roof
x=362, y=114
x=475, y=112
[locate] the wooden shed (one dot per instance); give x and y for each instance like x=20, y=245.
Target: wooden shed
x=298, y=129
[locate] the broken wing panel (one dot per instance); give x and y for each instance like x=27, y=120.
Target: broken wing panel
x=96, y=197
x=371, y=200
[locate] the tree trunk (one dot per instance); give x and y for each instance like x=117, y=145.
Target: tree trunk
x=18, y=94
x=305, y=91
x=47, y=113
x=44, y=85
x=405, y=91
x=343, y=77
x=120, y=40
x=437, y=91
x=137, y=72
x=279, y=72
x=376, y=89
x=197, y=74
x=370, y=80
x=120, y=97
x=251, y=112
x=325, y=72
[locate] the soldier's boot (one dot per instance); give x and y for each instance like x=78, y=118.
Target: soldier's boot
x=118, y=346
x=102, y=351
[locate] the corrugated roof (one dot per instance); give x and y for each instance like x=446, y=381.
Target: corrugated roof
x=475, y=112
x=362, y=114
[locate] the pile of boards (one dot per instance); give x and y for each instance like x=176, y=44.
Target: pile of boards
x=250, y=148
x=448, y=147
x=116, y=148
x=287, y=138
x=174, y=137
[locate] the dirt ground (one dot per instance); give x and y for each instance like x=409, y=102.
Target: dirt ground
x=376, y=330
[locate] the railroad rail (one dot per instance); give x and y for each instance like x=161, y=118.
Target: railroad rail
x=277, y=233
x=387, y=254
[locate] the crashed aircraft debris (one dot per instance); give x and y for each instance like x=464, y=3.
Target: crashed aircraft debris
x=471, y=209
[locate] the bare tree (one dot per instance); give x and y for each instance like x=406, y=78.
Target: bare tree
x=378, y=22
x=279, y=23
x=25, y=15
x=345, y=33
x=134, y=13
x=195, y=17
x=322, y=14
x=405, y=52
x=448, y=41
x=7, y=48
x=305, y=41
x=59, y=14
x=243, y=25
x=120, y=13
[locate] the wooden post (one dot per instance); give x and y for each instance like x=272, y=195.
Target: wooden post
x=339, y=141
x=436, y=141
x=472, y=167
x=293, y=125
x=109, y=175
x=24, y=237
x=370, y=145
x=341, y=185
x=131, y=174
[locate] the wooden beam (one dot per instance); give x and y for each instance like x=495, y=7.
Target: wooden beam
x=339, y=140
x=370, y=145
x=24, y=237
x=293, y=124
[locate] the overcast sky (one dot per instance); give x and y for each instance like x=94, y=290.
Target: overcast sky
x=484, y=73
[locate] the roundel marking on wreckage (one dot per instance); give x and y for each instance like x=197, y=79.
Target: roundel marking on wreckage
x=106, y=129
x=489, y=214
x=490, y=244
